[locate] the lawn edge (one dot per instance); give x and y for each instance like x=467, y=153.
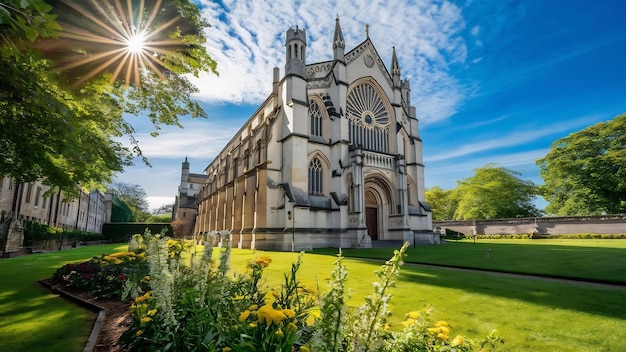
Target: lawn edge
x=90, y=344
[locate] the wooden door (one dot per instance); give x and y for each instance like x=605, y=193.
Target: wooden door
x=371, y=221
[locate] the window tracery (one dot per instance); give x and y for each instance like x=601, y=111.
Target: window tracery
x=315, y=176
x=368, y=119
x=315, y=114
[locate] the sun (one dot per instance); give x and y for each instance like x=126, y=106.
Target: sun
x=135, y=44
x=123, y=38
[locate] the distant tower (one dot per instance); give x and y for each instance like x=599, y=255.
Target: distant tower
x=184, y=183
x=295, y=44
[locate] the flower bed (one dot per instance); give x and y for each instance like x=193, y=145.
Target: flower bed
x=183, y=300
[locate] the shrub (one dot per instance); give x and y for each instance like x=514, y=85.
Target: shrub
x=107, y=276
x=195, y=304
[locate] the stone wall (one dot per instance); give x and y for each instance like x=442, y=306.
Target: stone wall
x=601, y=224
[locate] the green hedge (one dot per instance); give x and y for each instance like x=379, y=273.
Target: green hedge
x=122, y=232
x=35, y=232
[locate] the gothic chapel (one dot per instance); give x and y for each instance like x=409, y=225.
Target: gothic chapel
x=332, y=158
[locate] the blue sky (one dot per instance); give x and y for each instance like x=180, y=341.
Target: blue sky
x=493, y=81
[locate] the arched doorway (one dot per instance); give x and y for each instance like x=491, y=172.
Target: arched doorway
x=378, y=204
x=371, y=214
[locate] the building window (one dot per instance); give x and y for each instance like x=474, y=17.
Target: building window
x=29, y=191
x=315, y=114
x=37, y=196
x=315, y=176
x=368, y=119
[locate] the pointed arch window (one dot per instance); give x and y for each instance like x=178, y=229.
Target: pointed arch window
x=315, y=176
x=315, y=114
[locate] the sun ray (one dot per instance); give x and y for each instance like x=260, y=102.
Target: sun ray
x=119, y=37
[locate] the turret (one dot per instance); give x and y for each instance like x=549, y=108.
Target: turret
x=295, y=44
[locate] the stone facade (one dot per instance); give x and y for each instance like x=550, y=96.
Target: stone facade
x=186, y=202
x=332, y=158
x=29, y=201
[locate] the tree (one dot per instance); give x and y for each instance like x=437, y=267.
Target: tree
x=441, y=203
x=165, y=209
x=585, y=172
x=160, y=218
x=494, y=192
x=63, y=97
x=135, y=197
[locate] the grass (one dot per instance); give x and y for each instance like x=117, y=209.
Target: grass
x=595, y=260
x=531, y=315
x=31, y=317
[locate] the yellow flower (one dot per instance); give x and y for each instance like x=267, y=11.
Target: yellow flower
x=386, y=326
x=457, y=341
x=434, y=330
x=269, y=315
x=142, y=298
x=152, y=312
x=279, y=333
x=408, y=322
x=226, y=349
x=413, y=315
x=147, y=277
x=238, y=298
x=443, y=336
x=289, y=313
x=253, y=307
x=304, y=349
x=139, y=332
x=442, y=323
x=244, y=315
x=252, y=325
x=291, y=328
x=146, y=319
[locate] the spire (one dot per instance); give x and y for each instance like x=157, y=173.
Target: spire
x=339, y=45
x=395, y=69
x=395, y=66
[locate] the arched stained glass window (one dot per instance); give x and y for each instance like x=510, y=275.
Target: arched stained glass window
x=315, y=176
x=315, y=114
x=368, y=119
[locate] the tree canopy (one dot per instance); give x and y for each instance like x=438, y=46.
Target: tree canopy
x=492, y=192
x=134, y=196
x=441, y=203
x=64, y=91
x=585, y=172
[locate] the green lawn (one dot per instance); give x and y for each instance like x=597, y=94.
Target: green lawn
x=603, y=260
x=531, y=315
x=32, y=318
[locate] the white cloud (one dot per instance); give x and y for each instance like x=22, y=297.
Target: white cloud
x=247, y=41
x=475, y=30
x=517, y=137
x=156, y=202
x=199, y=139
